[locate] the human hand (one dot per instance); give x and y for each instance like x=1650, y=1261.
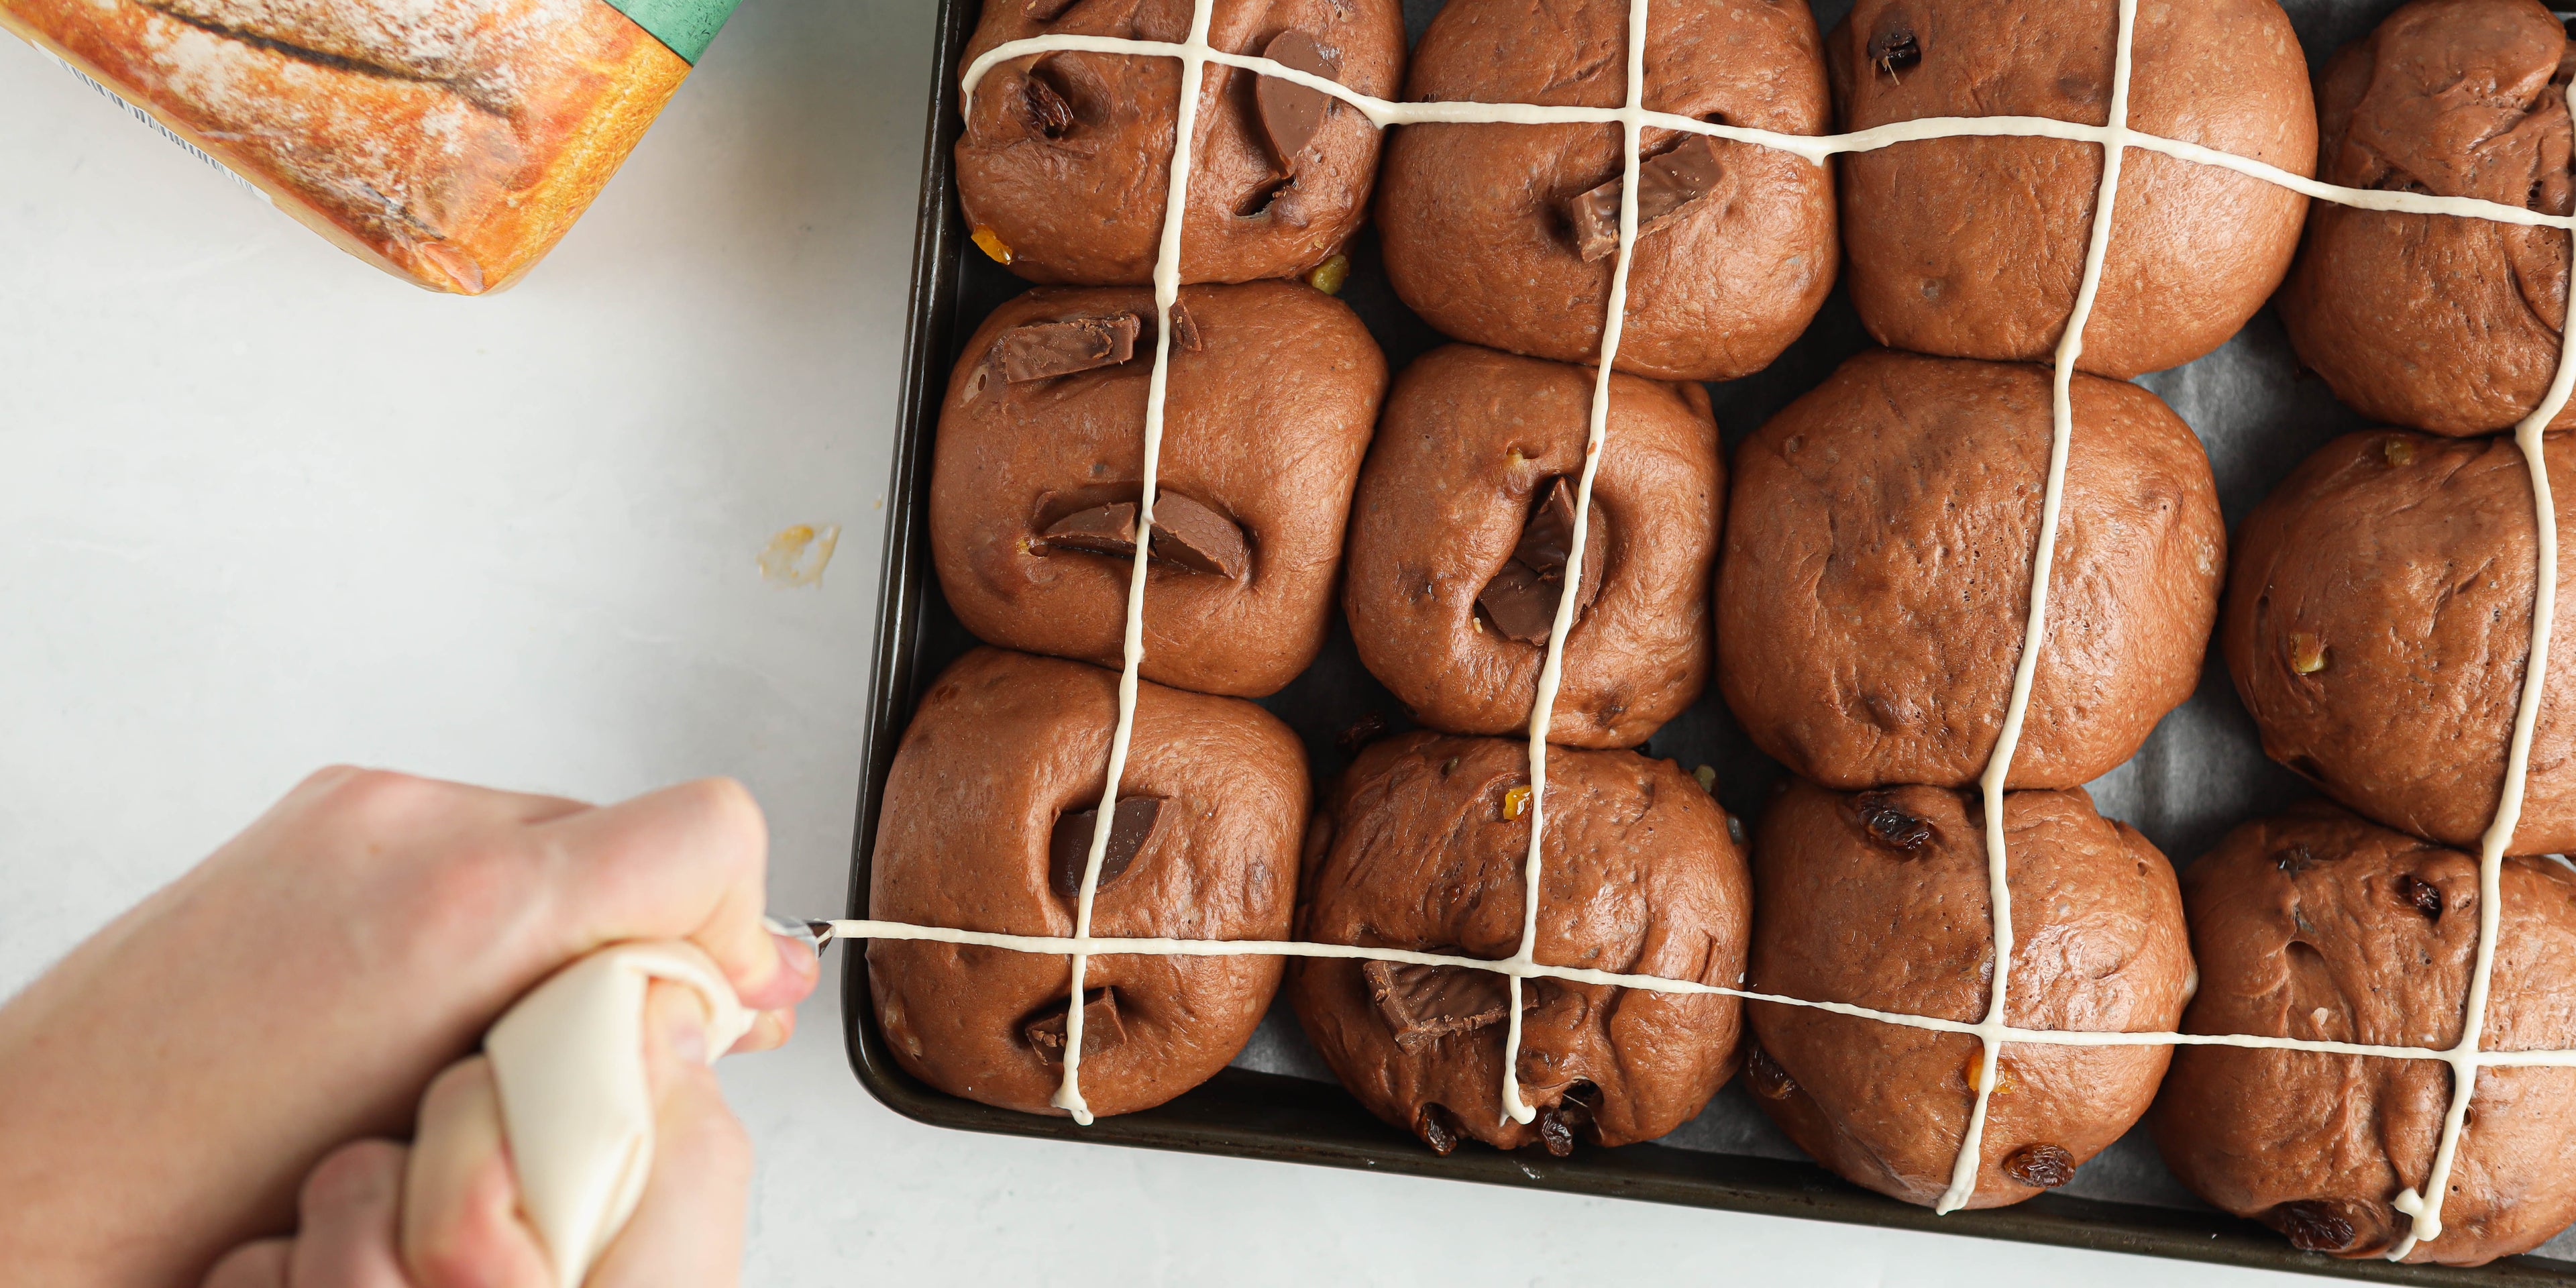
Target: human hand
x=168, y=1085
x=446, y=1210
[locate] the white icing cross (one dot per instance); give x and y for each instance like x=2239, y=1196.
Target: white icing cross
x=1992, y=1032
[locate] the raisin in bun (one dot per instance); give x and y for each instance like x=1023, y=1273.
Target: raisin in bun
x=1973, y=247
x=2378, y=624
x=1040, y=463
x=1423, y=845
x=1875, y=586
x=987, y=823
x=2440, y=322
x=1503, y=234
x=1463, y=523
x=1881, y=899
x=1064, y=167
x=2319, y=926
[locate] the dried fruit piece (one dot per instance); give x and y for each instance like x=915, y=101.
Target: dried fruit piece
x=1515, y=802
x=1521, y=601
x=1895, y=47
x=2422, y=896
x=1329, y=275
x=991, y=243
x=1423, y=1003
x=1555, y=1131
x=1186, y=535
x=1974, y=1073
x=1435, y=1131
x=2307, y=653
x=1046, y=10
x=1045, y=350
x=1764, y=1077
x=1706, y=777
x=1890, y=825
x=2044, y=1166
x=2314, y=1225
x=1363, y=731
x=1131, y=825
x=2396, y=449
x=1290, y=112
x=1668, y=185
x=1049, y=115
x=1101, y=1027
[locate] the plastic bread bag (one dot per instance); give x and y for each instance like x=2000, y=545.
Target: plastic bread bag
x=450, y=142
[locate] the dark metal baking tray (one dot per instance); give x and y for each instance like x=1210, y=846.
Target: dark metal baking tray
x=2259, y=417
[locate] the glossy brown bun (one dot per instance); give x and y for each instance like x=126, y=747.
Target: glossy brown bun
x=1265, y=423
x=2440, y=322
x=1876, y=580
x=1474, y=218
x=1469, y=441
x=1881, y=900
x=1084, y=205
x=2319, y=926
x=2378, y=623
x=1413, y=850
x=1003, y=746
x=1974, y=247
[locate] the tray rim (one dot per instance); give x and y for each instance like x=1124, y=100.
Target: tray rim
x=1245, y=1114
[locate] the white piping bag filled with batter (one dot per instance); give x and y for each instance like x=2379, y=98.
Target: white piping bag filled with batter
x=576, y=1105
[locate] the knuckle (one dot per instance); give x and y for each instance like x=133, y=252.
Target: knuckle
x=737, y=811
x=352, y=1175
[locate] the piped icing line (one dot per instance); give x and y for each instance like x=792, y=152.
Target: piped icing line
x=1054, y=945
x=1815, y=148
x=1551, y=671
x=1998, y=772
x=1167, y=290
x=2424, y=1209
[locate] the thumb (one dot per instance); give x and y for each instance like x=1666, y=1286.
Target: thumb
x=688, y=1228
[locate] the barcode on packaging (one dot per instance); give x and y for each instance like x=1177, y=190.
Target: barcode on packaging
x=164, y=131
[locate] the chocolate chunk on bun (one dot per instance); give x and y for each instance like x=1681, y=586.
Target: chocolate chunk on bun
x=1463, y=523
x=2318, y=926
x=2437, y=321
x=986, y=826
x=1423, y=845
x=1875, y=588
x=1974, y=247
x=1065, y=164
x=1039, y=469
x=1881, y=899
x=2378, y=625
x=1504, y=234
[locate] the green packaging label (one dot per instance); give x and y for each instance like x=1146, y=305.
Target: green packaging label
x=687, y=26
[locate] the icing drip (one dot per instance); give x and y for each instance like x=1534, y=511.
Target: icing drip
x=2115, y=139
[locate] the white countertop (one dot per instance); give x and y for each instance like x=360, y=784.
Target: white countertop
x=263, y=508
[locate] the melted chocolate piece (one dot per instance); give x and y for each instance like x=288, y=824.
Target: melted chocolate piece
x=1669, y=184
x=1069, y=848
x=1421, y=1004
x=1521, y=600
x=1101, y=1027
x=1186, y=535
x=1044, y=350
x=2043, y=1166
x=1185, y=329
x=1291, y=113
x=2314, y=1225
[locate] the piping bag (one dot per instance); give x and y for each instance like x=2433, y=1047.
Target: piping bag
x=576, y=1108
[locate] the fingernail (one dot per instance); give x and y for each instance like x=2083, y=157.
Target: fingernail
x=797, y=957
